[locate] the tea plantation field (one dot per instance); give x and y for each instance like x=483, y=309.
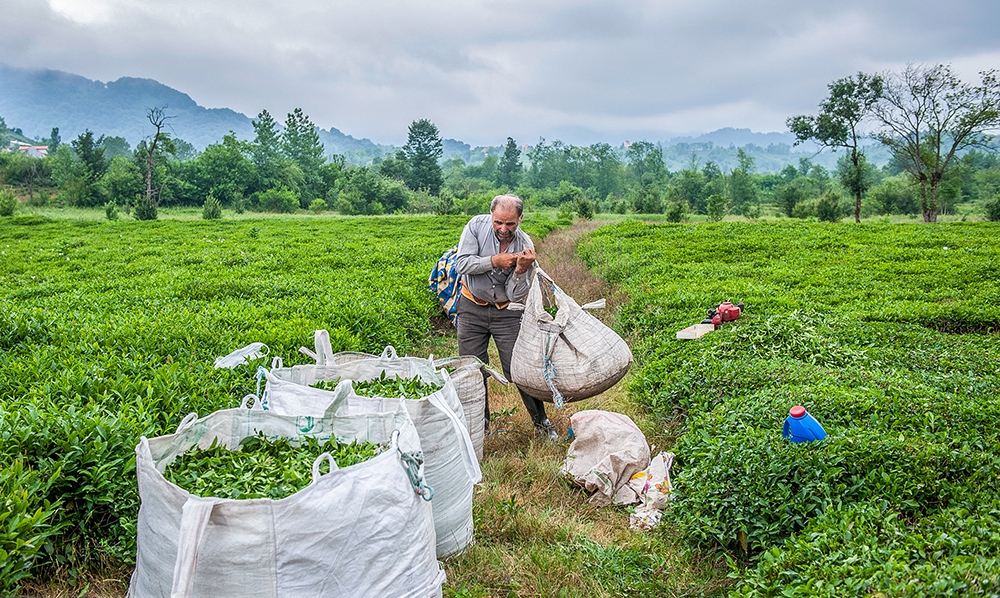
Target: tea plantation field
x=888, y=335
x=109, y=331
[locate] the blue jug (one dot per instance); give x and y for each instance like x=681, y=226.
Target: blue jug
x=802, y=427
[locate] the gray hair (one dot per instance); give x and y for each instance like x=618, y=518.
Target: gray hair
x=507, y=201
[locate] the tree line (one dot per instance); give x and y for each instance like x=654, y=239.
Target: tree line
x=934, y=125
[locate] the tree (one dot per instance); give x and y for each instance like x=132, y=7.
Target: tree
x=509, y=169
x=265, y=151
x=743, y=191
x=300, y=143
x=93, y=167
x=423, y=149
x=646, y=158
x=851, y=102
x=54, y=140
x=929, y=116
x=151, y=151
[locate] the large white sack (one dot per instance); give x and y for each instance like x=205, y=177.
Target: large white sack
x=568, y=357
x=358, y=531
x=608, y=449
x=450, y=463
x=467, y=372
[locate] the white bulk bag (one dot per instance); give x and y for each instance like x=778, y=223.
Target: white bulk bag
x=450, y=463
x=568, y=357
x=358, y=531
x=470, y=385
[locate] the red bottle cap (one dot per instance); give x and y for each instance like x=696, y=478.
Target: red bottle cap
x=797, y=411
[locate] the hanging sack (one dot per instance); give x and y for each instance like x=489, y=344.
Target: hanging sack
x=363, y=530
x=569, y=357
x=450, y=461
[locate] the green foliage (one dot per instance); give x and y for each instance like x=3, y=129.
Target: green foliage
x=992, y=209
x=829, y=208
x=146, y=208
x=212, y=209
x=317, y=206
x=263, y=467
x=115, y=338
x=26, y=522
x=885, y=334
x=111, y=210
x=676, y=211
x=716, y=207
x=8, y=202
x=584, y=208
x=397, y=386
x=280, y=200
x=423, y=151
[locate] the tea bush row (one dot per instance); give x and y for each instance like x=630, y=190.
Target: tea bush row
x=886, y=333
x=109, y=331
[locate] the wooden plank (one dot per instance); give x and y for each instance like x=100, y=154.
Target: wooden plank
x=695, y=332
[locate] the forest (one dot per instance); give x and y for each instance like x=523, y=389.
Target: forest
x=284, y=168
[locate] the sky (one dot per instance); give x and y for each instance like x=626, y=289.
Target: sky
x=580, y=71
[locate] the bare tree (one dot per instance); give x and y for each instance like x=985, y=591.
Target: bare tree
x=157, y=117
x=929, y=115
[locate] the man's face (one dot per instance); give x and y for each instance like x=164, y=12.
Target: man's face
x=505, y=222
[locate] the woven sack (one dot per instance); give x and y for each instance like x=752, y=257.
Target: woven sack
x=569, y=357
x=467, y=372
x=450, y=461
x=358, y=531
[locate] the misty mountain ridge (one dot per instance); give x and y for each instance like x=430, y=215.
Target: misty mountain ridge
x=36, y=100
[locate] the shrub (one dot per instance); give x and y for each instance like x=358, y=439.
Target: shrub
x=716, y=208
x=992, y=209
x=212, y=208
x=111, y=210
x=828, y=208
x=8, y=202
x=676, y=211
x=145, y=208
x=239, y=203
x=281, y=200
x=584, y=207
x=317, y=205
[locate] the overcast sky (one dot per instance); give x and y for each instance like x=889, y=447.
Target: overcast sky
x=581, y=71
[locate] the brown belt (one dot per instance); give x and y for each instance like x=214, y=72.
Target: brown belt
x=468, y=295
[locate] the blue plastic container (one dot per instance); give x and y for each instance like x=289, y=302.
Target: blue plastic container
x=802, y=427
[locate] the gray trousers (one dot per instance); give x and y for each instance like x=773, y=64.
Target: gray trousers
x=476, y=324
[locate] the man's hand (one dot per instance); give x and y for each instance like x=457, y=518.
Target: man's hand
x=504, y=260
x=524, y=260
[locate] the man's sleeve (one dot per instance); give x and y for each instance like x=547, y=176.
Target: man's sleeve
x=469, y=261
x=517, y=284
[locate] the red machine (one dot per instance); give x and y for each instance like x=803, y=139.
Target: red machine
x=724, y=312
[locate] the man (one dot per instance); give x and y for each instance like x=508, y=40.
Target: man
x=496, y=260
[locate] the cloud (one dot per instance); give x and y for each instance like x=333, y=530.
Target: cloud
x=587, y=69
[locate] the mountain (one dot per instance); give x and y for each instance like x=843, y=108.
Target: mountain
x=36, y=100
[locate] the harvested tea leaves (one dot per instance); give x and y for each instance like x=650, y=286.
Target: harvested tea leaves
x=405, y=388
x=262, y=468
x=326, y=384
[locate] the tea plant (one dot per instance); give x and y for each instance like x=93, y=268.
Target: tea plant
x=262, y=467
x=397, y=386
x=886, y=333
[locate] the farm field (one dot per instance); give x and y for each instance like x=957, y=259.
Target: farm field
x=887, y=334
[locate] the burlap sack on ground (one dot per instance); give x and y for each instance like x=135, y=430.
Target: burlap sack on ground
x=358, y=531
x=607, y=450
x=568, y=357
